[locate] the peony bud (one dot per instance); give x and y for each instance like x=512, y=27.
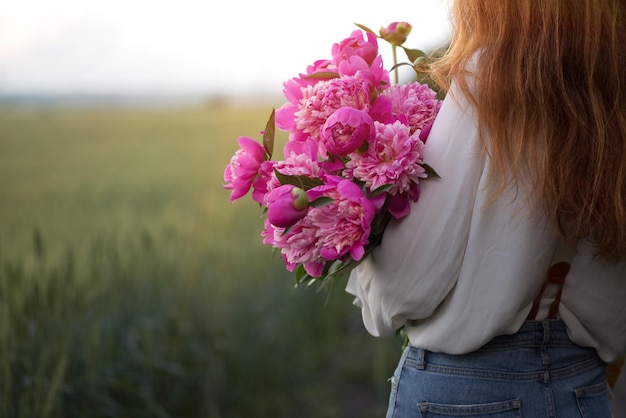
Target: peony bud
x=396, y=33
x=286, y=205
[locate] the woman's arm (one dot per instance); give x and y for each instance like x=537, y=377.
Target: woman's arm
x=419, y=259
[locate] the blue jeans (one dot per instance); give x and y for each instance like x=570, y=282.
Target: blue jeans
x=537, y=372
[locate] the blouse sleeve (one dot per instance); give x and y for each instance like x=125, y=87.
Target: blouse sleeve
x=419, y=259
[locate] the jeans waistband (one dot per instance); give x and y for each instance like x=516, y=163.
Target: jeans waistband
x=539, y=346
x=542, y=333
x=546, y=333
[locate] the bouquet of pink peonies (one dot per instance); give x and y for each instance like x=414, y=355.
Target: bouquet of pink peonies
x=352, y=162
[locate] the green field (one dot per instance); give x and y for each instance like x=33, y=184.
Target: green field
x=131, y=287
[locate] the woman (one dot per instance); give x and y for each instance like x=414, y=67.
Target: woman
x=509, y=275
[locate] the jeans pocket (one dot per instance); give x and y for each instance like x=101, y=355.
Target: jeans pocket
x=506, y=409
x=593, y=401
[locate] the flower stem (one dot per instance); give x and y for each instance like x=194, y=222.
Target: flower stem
x=395, y=62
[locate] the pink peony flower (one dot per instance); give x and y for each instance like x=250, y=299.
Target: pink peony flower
x=294, y=165
x=292, y=88
x=243, y=167
x=396, y=33
x=344, y=226
x=375, y=73
x=393, y=157
x=305, y=145
x=399, y=205
x=426, y=131
x=324, y=98
x=346, y=130
x=259, y=186
x=382, y=109
x=349, y=133
x=332, y=167
x=356, y=44
x=325, y=66
x=413, y=104
x=298, y=245
x=310, y=104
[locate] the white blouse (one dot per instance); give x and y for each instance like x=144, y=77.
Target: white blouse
x=457, y=272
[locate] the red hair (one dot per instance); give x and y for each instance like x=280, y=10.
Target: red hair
x=548, y=88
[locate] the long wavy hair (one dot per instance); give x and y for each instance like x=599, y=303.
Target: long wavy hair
x=549, y=88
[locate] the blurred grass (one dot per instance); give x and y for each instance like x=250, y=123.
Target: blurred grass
x=71, y=171
x=131, y=287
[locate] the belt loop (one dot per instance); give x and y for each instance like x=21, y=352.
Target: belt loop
x=420, y=362
x=547, y=331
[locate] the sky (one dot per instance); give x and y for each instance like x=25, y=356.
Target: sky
x=229, y=47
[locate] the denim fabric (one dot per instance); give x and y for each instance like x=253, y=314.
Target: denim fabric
x=537, y=372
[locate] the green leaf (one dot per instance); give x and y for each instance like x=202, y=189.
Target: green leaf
x=414, y=54
x=380, y=190
x=287, y=230
x=378, y=227
x=430, y=172
x=303, y=182
x=366, y=29
x=324, y=75
x=400, y=64
x=301, y=275
x=401, y=333
x=268, y=135
x=335, y=267
x=340, y=269
x=321, y=202
x=337, y=271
